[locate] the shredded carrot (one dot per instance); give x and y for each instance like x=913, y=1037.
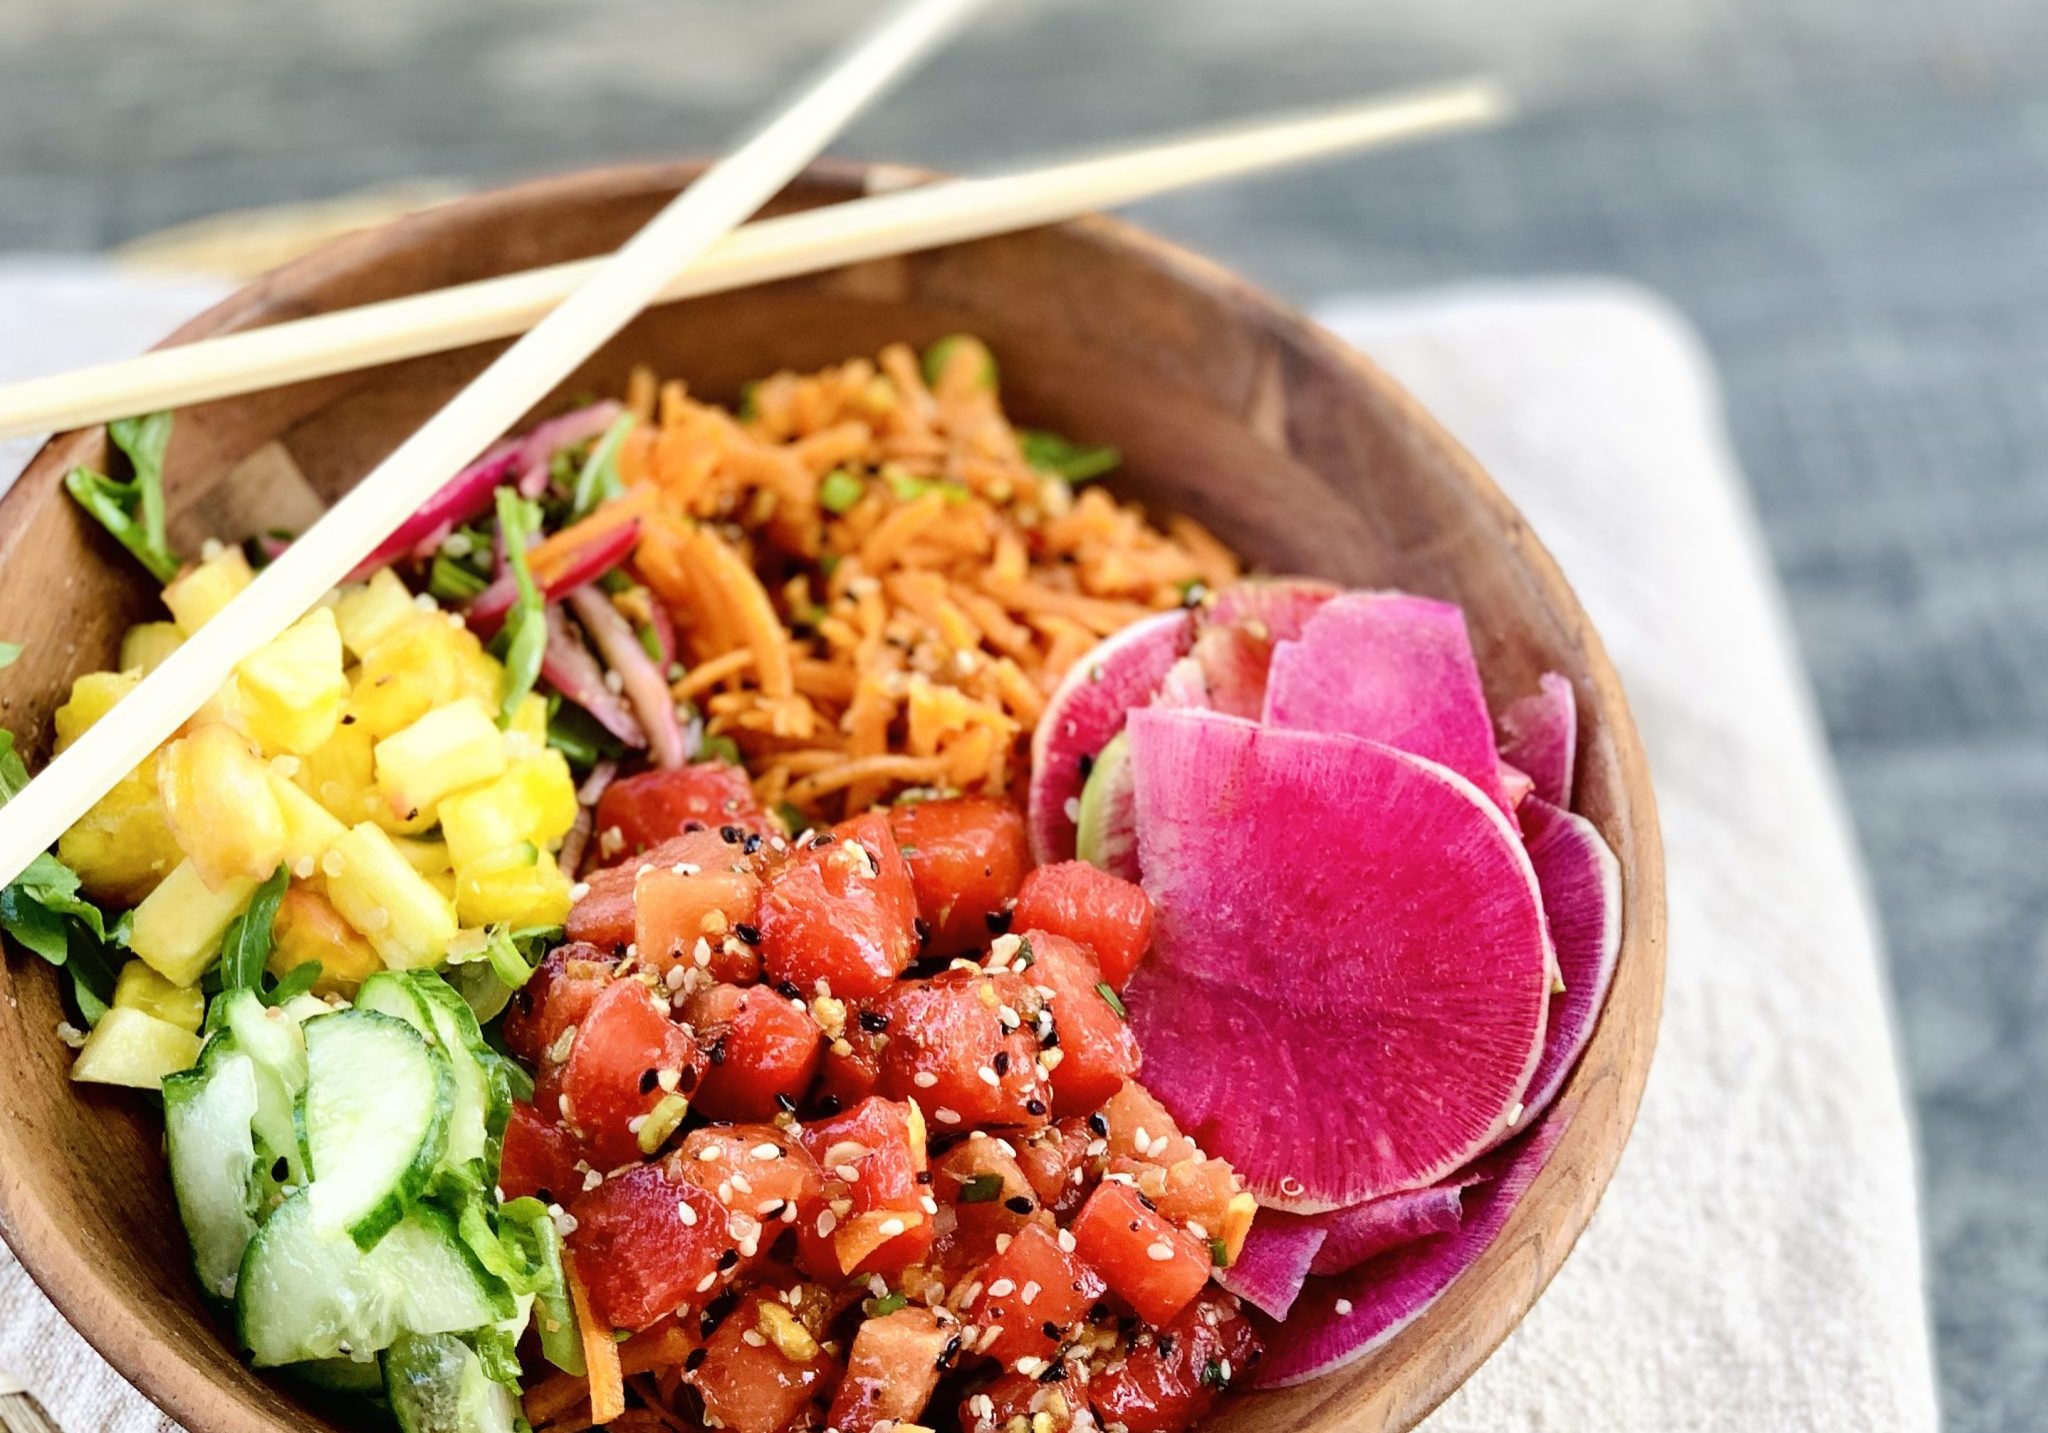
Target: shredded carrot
x=600, y=1354
x=706, y=675
x=551, y=556
x=555, y=1396
x=654, y=1348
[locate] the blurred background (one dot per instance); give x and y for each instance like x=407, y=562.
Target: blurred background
x=1848, y=199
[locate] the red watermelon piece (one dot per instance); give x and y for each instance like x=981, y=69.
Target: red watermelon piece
x=1348, y=989
x=1539, y=734
x=1392, y=668
x=1581, y=884
x=1085, y=711
x=1336, y=1321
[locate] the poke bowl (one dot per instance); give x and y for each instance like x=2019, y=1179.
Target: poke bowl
x=1248, y=443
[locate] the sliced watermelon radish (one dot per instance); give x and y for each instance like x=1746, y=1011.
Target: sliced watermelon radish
x=1106, y=830
x=1518, y=785
x=1085, y=711
x=1278, y=606
x=1393, y=668
x=1336, y=1321
x=1581, y=885
x=1351, y=1236
x=1347, y=993
x=1539, y=734
x=1234, y=642
x=1275, y=1260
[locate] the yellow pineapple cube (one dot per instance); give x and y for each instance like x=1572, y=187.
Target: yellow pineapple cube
x=292, y=687
x=92, y=697
x=195, y=594
x=309, y=827
x=451, y=747
x=535, y=800
x=377, y=891
x=145, y=645
x=528, y=733
x=428, y=662
x=368, y=612
x=310, y=928
x=123, y=846
x=217, y=798
x=140, y=988
x=178, y=926
x=131, y=1048
x=519, y=886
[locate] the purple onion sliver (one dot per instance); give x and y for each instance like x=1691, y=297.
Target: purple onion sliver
x=645, y=686
x=464, y=496
x=537, y=450
x=570, y=669
x=486, y=614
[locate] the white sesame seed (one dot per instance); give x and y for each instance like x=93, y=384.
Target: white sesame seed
x=706, y=1282
x=1066, y=1241
x=1002, y=1243
x=578, y=891
x=752, y=1339
x=1159, y=1251
x=1029, y=1293
x=989, y=1077
x=928, y=1204
x=945, y=1116
x=767, y=1207
x=827, y=1222
x=1139, y=1139
x=739, y=1182
x=1028, y=1365
x=1001, y=1287
x=708, y=1154
x=1343, y=1307
x=892, y=1227
x=591, y=1179
x=765, y=1150
x=1158, y=1147
x=924, y=1079
x=847, y=1172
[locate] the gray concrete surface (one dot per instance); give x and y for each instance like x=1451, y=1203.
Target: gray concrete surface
x=1850, y=197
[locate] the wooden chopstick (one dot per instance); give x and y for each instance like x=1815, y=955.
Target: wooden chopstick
x=525, y=373
x=896, y=223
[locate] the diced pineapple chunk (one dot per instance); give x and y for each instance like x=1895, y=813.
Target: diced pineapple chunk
x=430, y=858
x=197, y=593
x=145, y=645
x=379, y=893
x=310, y=928
x=368, y=613
x=449, y=748
x=122, y=847
x=428, y=662
x=92, y=697
x=129, y=1047
x=528, y=733
x=292, y=687
x=140, y=988
x=178, y=926
x=535, y=800
x=217, y=798
x=521, y=886
x=309, y=827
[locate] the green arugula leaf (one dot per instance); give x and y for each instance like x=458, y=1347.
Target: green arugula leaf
x=13, y=775
x=245, y=948
x=43, y=911
x=133, y=511
x=92, y=974
x=525, y=636
x=295, y=982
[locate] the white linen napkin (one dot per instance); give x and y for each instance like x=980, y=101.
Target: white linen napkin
x=1756, y=1263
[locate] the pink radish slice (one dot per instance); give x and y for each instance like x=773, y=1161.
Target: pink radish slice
x=463, y=497
x=1581, y=884
x=641, y=681
x=538, y=448
x=1335, y=1321
x=568, y=666
x=1347, y=992
x=1235, y=638
x=1275, y=1260
x=1279, y=606
x=1539, y=734
x=591, y=561
x=1392, y=668
x=1085, y=711
x=1517, y=784
x=1351, y=1236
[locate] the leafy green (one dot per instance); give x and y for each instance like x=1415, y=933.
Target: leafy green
x=576, y=734
x=13, y=775
x=720, y=748
x=295, y=982
x=453, y=582
x=9, y=652
x=245, y=949
x=598, y=480
x=839, y=491
x=524, y=1225
x=509, y=952
x=42, y=909
x=133, y=511
x=1076, y=462
x=525, y=636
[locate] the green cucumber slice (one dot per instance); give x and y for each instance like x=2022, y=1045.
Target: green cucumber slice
x=1091, y=818
x=274, y=1041
x=437, y=1384
x=209, y=1112
x=483, y=1098
x=307, y=1295
x=373, y=1118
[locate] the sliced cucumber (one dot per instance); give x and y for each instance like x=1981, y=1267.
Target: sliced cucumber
x=274, y=1041
x=437, y=1384
x=483, y=1100
x=209, y=1112
x=308, y=1295
x=1094, y=835
x=357, y=1378
x=374, y=1120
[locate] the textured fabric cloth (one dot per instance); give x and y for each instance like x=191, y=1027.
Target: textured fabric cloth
x=1756, y=1263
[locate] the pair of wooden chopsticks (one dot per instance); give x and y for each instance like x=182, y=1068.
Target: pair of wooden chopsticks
x=568, y=311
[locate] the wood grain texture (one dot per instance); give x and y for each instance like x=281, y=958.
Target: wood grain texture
x=1227, y=406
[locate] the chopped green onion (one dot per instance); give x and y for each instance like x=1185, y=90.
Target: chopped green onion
x=720, y=748
x=453, y=582
x=982, y=1189
x=576, y=734
x=839, y=491
x=1114, y=1001
x=885, y=1305
x=1076, y=462
x=1213, y=1375
x=1219, y=1253
x=650, y=642
x=940, y=354
x=598, y=481
x=748, y=408
x=525, y=636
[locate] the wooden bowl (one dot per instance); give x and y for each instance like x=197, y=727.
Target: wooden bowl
x=1228, y=406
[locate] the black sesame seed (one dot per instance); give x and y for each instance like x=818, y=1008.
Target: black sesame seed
x=751, y=844
x=948, y=1354
x=348, y=718
x=691, y=827
x=1098, y=1311
x=544, y=1195
x=648, y=1080
x=1050, y=1329
x=789, y=990
x=728, y=1259
x=1018, y=1204
x=1099, y=1123
x=750, y=935
x=873, y=1021
x=828, y=1104
x=999, y=921
x=924, y=1176
x=718, y=1051
x=1057, y=1373
x=1087, y=765
x=1166, y=1345
x=1034, y=1108
x=1147, y=1202
x=1001, y=1062
x=731, y=835
x=280, y=1169
x=1134, y=1226
x=821, y=840
x=696, y=1359
x=686, y=1081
